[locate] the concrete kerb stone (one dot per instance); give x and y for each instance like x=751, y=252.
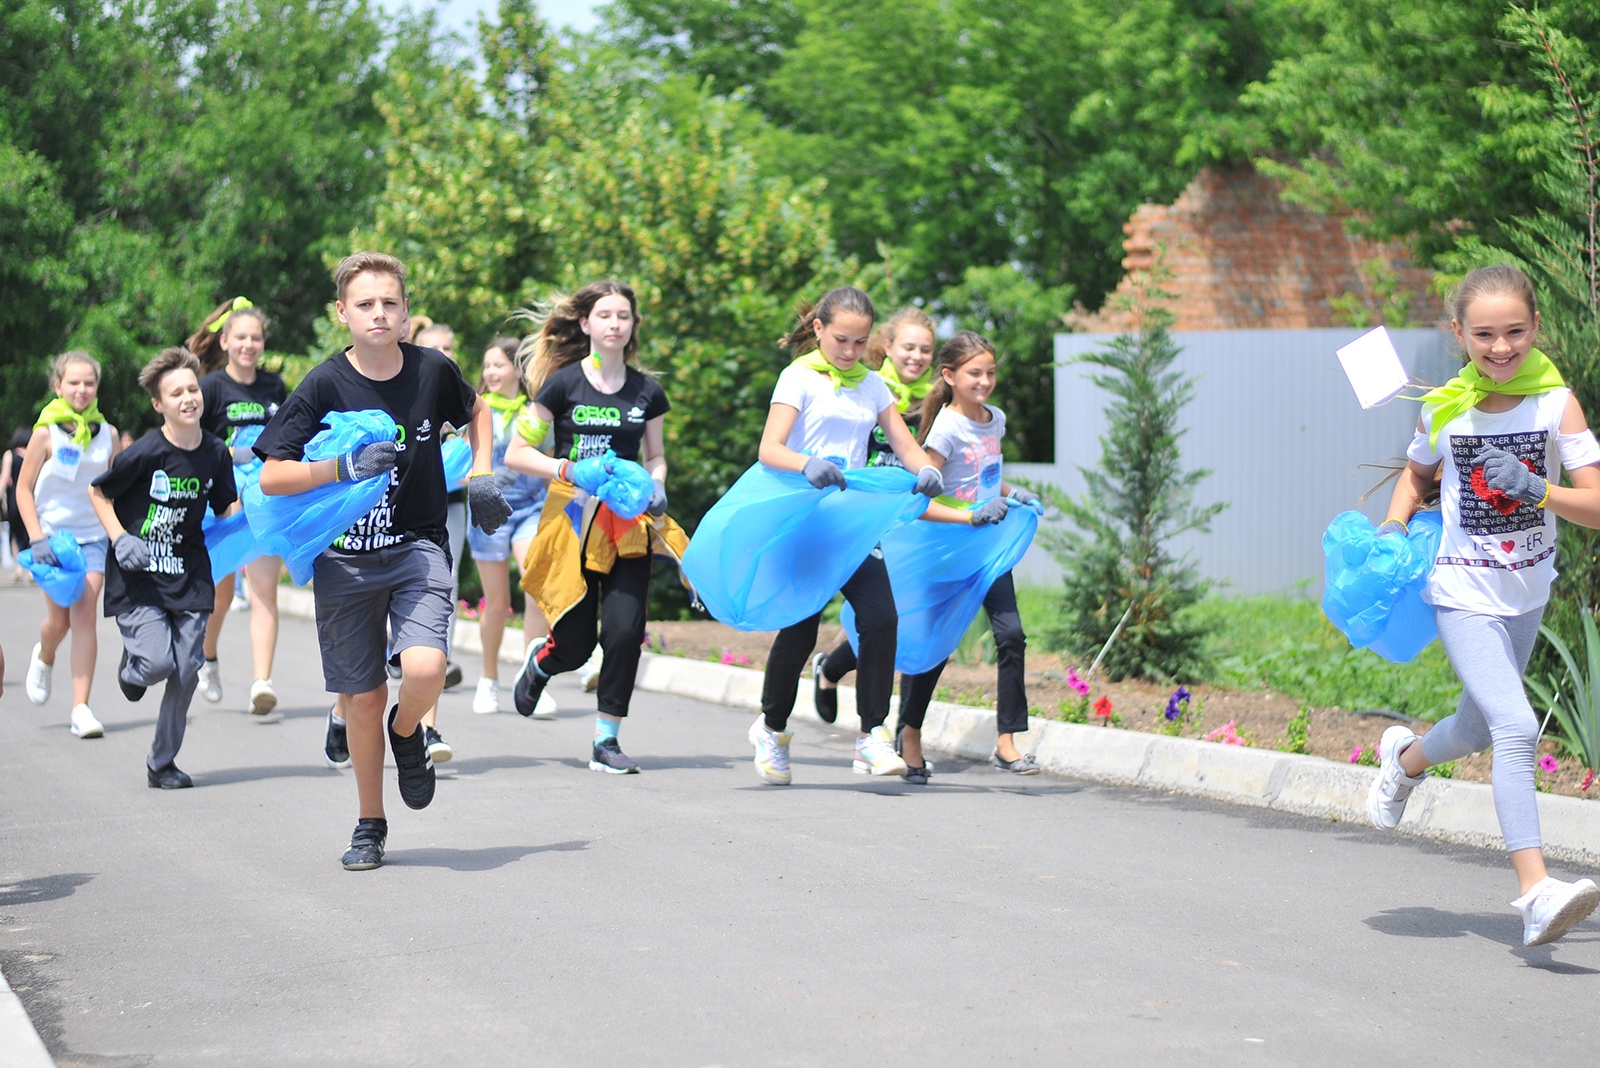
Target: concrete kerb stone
x=1441, y=809
x=20, y=1044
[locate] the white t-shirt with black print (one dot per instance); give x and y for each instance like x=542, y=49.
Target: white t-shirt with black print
x=971, y=452
x=834, y=425
x=1497, y=555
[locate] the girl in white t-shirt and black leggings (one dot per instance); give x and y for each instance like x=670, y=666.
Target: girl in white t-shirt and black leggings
x=824, y=409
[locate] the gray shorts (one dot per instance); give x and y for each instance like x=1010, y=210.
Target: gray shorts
x=408, y=583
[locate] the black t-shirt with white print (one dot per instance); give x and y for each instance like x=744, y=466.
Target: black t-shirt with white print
x=588, y=422
x=160, y=493
x=427, y=393
x=230, y=405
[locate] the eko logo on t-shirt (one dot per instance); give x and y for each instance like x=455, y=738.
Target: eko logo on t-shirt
x=596, y=415
x=1486, y=511
x=160, y=527
x=250, y=412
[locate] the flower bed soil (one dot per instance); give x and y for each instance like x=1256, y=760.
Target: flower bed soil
x=1260, y=716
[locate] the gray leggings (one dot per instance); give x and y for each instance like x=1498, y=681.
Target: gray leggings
x=1489, y=654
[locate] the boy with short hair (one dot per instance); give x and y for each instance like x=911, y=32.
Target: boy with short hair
x=158, y=577
x=394, y=561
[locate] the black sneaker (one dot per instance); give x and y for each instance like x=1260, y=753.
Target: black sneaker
x=168, y=778
x=336, y=744
x=452, y=674
x=529, y=684
x=827, y=701
x=918, y=776
x=439, y=750
x=609, y=757
x=366, y=845
x=413, y=767
x=129, y=690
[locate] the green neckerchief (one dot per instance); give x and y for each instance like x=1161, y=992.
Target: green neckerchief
x=59, y=413
x=816, y=361
x=905, y=393
x=1536, y=375
x=504, y=405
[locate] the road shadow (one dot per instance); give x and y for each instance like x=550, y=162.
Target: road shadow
x=259, y=773
x=42, y=888
x=466, y=766
x=486, y=859
x=1422, y=921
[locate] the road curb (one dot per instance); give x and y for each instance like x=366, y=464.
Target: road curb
x=1440, y=809
x=20, y=1044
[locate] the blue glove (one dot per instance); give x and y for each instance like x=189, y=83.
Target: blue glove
x=589, y=475
x=930, y=483
x=42, y=553
x=131, y=552
x=822, y=473
x=486, y=504
x=658, y=500
x=1504, y=472
x=366, y=461
x=990, y=511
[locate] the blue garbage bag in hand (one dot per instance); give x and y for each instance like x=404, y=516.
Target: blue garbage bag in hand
x=230, y=543
x=457, y=452
x=299, y=526
x=626, y=491
x=1373, y=589
x=940, y=574
x=63, y=583
x=774, y=551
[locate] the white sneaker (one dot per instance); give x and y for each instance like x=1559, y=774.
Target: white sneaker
x=1552, y=907
x=772, y=752
x=545, y=707
x=486, y=702
x=875, y=754
x=38, y=680
x=1387, y=797
x=84, y=725
x=211, y=681
x=589, y=673
x=263, y=698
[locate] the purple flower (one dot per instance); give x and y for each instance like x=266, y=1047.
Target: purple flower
x=1549, y=764
x=1076, y=682
x=1177, y=704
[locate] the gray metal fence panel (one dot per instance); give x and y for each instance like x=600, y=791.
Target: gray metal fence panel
x=1277, y=424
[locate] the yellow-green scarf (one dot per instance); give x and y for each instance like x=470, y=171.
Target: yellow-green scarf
x=905, y=393
x=816, y=361
x=504, y=405
x=59, y=413
x=1536, y=375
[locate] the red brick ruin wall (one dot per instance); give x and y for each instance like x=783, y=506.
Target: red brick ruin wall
x=1243, y=258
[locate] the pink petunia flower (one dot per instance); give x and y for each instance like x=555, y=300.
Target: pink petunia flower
x=1549, y=764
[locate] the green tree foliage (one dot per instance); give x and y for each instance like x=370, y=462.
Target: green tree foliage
x=1114, y=549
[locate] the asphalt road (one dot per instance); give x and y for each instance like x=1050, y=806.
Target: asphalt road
x=539, y=913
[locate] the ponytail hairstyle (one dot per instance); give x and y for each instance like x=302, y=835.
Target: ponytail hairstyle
x=559, y=339
x=206, y=342
x=507, y=345
x=844, y=300
x=1496, y=280
x=883, y=337
x=952, y=356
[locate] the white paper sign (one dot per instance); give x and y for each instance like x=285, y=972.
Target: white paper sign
x=1373, y=368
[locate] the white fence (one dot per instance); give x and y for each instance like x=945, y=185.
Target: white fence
x=1275, y=421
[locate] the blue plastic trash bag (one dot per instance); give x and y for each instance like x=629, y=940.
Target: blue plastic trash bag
x=457, y=461
x=774, y=551
x=1374, y=584
x=63, y=584
x=940, y=573
x=627, y=492
x=246, y=473
x=299, y=526
x=230, y=543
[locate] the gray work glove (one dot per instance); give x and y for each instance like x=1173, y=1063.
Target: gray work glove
x=658, y=500
x=43, y=555
x=822, y=474
x=1504, y=472
x=132, y=553
x=1026, y=498
x=366, y=461
x=486, y=504
x=1393, y=526
x=242, y=455
x=930, y=482
x=990, y=511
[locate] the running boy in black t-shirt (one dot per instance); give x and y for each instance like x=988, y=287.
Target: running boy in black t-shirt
x=158, y=580
x=392, y=563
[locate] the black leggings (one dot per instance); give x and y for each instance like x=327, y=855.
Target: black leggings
x=870, y=594
x=1010, y=646
x=615, y=606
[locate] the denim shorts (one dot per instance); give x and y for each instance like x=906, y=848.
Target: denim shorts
x=522, y=525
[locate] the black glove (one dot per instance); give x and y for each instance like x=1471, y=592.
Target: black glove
x=43, y=555
x=1393, y=526
x=658, y=500
x=930, y=483
x=1504, y=472
x=132, y=553
x=822, y=474
x=486, y=504
x=990, y=511
x=366, y=461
